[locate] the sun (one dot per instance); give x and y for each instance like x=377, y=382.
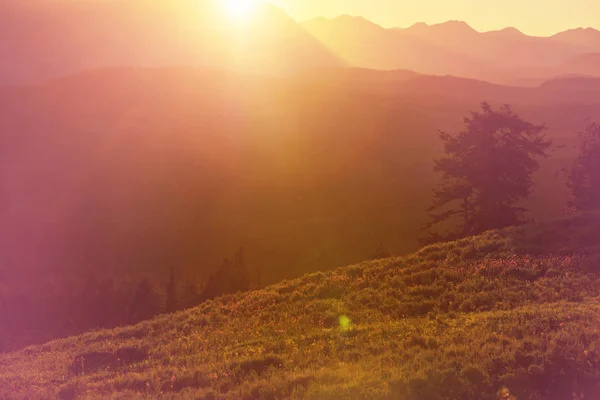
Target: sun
x=240, y=8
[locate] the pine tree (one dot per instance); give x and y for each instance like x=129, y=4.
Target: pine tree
x=191, y=291
x=583, y=181
x=258, y=276
x=146, y=302
x=192, y=295
x=172, y=293
x=230, y=277
x=211, y=290
x=379, y=253
x=239, y=273
x=486, y=170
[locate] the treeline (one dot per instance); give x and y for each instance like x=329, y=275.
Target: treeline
x=40, y=312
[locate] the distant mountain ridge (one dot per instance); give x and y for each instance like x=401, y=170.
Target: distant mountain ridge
x=585, y=37
x=506, y=56
x=568, y=34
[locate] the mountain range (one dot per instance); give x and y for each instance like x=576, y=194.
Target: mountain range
x=47, y=39
x=507, y=56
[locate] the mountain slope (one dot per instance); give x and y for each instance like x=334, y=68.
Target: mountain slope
x=515, y=308
x=47, y=39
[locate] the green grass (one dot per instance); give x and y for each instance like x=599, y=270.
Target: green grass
x=514, y=309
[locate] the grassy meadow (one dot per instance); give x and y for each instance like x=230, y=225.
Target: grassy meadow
x=508, y=314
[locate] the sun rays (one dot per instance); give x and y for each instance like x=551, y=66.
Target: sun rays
x=240, y=9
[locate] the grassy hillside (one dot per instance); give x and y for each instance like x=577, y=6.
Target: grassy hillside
x=514, y=310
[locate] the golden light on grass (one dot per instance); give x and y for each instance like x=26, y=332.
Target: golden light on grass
x=240, y=9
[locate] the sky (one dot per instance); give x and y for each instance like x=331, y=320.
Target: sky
x=533, y=17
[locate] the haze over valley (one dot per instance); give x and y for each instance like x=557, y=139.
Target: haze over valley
x=224, y=168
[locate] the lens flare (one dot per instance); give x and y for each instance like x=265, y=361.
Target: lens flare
x=345, y=323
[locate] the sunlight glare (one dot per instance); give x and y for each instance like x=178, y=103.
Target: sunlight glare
x=240, y=8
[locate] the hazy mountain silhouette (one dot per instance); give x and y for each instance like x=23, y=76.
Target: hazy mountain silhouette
x=584, y=65
x=135, y=169
x=585, y=88
x=503, y=56
x=504, y=48
x=508, y=33
x=46, y=39
x=364, y=44
x=361, y=79
x=587, y=38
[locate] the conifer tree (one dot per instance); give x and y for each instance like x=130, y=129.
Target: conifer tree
x=486, y=171
x=145, y=303
x=230, y=277
x=172, y=293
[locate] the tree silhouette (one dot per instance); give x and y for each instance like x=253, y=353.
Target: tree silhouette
x=258, y=277
x=238, y=274
x=90, y=305
x=380, y=252
x=230, y=277
x=583, y=181
x=486, y=170
x=145, y=303
x=191, y=294
x=172, y=293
